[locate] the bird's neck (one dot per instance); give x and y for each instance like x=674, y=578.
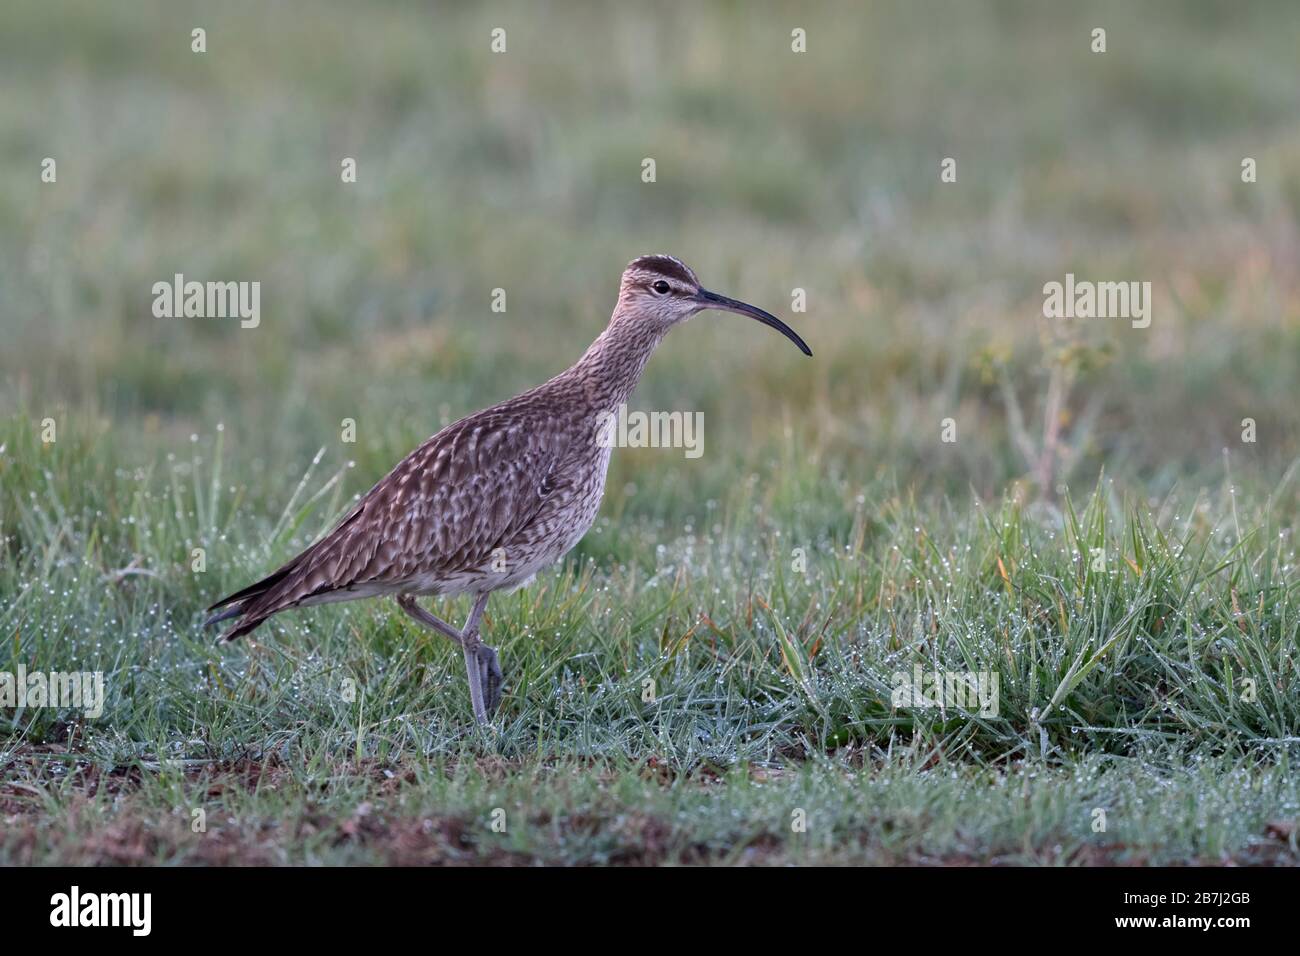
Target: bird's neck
x=609, y=370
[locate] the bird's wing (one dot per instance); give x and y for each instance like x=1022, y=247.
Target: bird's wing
x=445, y=507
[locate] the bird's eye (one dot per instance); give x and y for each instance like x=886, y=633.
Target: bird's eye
x=660, y=287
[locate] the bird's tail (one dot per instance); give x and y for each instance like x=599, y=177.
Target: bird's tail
x=235, y=610
x=304, y=578
x=246, y=605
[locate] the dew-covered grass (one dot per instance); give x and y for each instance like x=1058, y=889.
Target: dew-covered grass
x=696, y=680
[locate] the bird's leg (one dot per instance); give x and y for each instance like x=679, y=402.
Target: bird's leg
x=481, y=665
x=492, y=677
x=408, y=604
x=489, y=668
x=480, y=660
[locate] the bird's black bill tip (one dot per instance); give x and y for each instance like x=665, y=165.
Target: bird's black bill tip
x=711, y=300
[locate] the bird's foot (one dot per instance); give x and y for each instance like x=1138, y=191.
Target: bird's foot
x=490, y=677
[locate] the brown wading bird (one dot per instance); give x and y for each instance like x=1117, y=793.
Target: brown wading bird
x=490, y=500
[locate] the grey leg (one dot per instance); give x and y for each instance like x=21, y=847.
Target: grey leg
x=490, y=670
x=408, y=604
x=481, y=663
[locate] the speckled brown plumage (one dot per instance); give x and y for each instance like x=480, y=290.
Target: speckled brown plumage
x=490, y=500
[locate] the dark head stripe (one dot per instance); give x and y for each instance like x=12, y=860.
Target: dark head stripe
x=665, y=266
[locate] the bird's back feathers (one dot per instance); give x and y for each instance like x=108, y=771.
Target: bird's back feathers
x=442, y=511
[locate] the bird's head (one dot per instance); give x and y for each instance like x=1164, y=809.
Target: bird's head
x=662, y=290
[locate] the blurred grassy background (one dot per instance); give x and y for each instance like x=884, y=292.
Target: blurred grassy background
x=775, y=171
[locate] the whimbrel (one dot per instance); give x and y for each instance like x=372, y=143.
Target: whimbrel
x=490, y=500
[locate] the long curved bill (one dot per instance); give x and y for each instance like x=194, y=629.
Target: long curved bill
x=711, y=300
